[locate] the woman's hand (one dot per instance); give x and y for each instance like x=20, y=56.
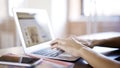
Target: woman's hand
x=88, y=43
x=70, y=45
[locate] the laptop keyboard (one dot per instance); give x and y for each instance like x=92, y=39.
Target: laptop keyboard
x=49, y=52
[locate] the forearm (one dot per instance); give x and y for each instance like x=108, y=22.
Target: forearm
x=97, y=60
x=111, y=42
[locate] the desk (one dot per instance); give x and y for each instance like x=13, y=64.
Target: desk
x=80, y=63
x=112, y=53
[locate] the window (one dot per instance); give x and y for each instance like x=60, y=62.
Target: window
x=101, y=7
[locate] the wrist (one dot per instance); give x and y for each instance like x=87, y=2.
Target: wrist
x=80, y=51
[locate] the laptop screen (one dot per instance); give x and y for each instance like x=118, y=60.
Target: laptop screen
x=34, y=28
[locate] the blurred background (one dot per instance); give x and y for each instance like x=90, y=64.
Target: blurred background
x=68, y=17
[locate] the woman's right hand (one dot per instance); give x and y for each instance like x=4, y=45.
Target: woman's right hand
x=70, y=45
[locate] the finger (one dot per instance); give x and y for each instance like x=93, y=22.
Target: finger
x=71, y=36
x=83, y=41
x=54, y=46
x=57, y=41
x=74, y=38
x=54, y=42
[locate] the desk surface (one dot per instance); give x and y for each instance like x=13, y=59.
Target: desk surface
x=46, y=63
x=112, y=53
x=52, y=63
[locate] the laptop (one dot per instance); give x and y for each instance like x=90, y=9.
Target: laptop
x=34, y=28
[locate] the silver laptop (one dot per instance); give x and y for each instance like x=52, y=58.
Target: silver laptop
x=35, y=33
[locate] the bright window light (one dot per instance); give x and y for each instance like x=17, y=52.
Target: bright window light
x=14, y=4
x=101, y=7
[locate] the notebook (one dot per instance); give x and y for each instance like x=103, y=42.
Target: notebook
x=35, y=32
